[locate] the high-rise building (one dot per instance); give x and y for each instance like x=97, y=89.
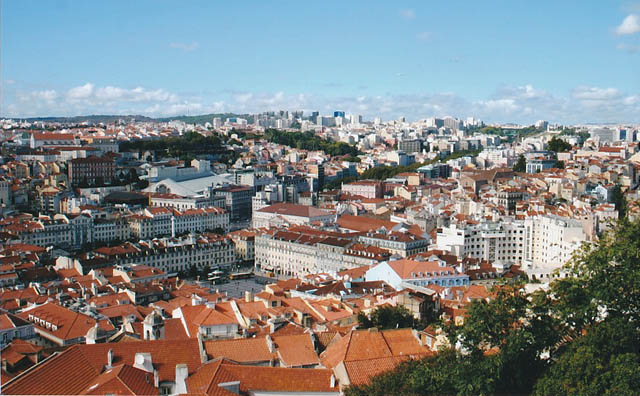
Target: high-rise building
x=410, y=146
x=338, y=114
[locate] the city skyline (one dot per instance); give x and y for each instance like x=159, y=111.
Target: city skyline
x=567, y=63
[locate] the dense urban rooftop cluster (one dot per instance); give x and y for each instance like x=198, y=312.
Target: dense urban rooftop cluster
x=254, y=255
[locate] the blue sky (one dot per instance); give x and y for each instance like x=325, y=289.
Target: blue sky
x=501, y=61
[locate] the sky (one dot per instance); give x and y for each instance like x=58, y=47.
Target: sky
x=501, y=61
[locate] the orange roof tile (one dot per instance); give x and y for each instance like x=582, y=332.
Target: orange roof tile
x=296, y=350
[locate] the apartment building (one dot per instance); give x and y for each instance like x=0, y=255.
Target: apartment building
x=237, y=201
x=551, y=241
x=400, y=243
x=417, y=273
x=288, y=214
x=172, y=255
x=163, y=221
x=364, y=188
x=504, y=241
x=178, y=202
x=300, y=251
x=91, y=170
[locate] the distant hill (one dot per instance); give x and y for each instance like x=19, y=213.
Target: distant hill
x=201, y=119
x=95, y=119
x=92, y=119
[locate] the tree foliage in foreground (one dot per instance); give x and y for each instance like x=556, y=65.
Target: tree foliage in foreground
x=579, y=337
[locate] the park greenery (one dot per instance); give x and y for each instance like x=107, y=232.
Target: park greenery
x=189, y=146
x=582, y=134
x=580, y=336
x=309, y=141
x=386, y=317
x=558, y=145
x=507, y=132
x=521, y=164
x=384, y=172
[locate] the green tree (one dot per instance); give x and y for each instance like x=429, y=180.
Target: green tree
x=387, y=317
x=558, y=145
x=521, y=164
x=579, y=337
x=603, y=362
x=618, y=199
x=610, y=270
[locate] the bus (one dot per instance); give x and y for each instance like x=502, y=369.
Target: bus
x=241, y=275
x=217, y=280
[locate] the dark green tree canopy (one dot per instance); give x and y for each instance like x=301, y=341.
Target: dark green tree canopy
x=558, y=145
x=386, y=317
x=578, y=337
x=521, y=164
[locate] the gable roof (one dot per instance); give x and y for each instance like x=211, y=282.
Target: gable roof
x=243, y=350
x=267, y=379
x=86, y=362
x=372, y=344
x=360, y=372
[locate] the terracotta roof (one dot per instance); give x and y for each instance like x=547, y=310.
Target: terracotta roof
x=360, y=372
x=122, y=380
x=296, y=350
x=258, y=378
x=290, y=209
x=244, y=350
x=87, y=361
x=49, y=377
x=408, y=269
x=69, y=324
x=363, y=224
x=367, y=344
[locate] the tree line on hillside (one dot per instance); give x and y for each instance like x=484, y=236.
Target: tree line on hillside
x=384, y=172
x=309, y=141
x=578, y=337
x=185, y=147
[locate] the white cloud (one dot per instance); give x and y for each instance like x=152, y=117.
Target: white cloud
x=407, y=13
x=500, y=105
x=630, y=25
x=595, y=93
x=81, y=92
x=47, y=95
x=522, y=103
x=423, y=36
x=137, y=94
x=186, y=47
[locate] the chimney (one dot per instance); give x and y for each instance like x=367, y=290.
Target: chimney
x=110, y=359
x=143, y=362
x=270, y=344
x=156, y=379
x=248, y=296
x=182, y=372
